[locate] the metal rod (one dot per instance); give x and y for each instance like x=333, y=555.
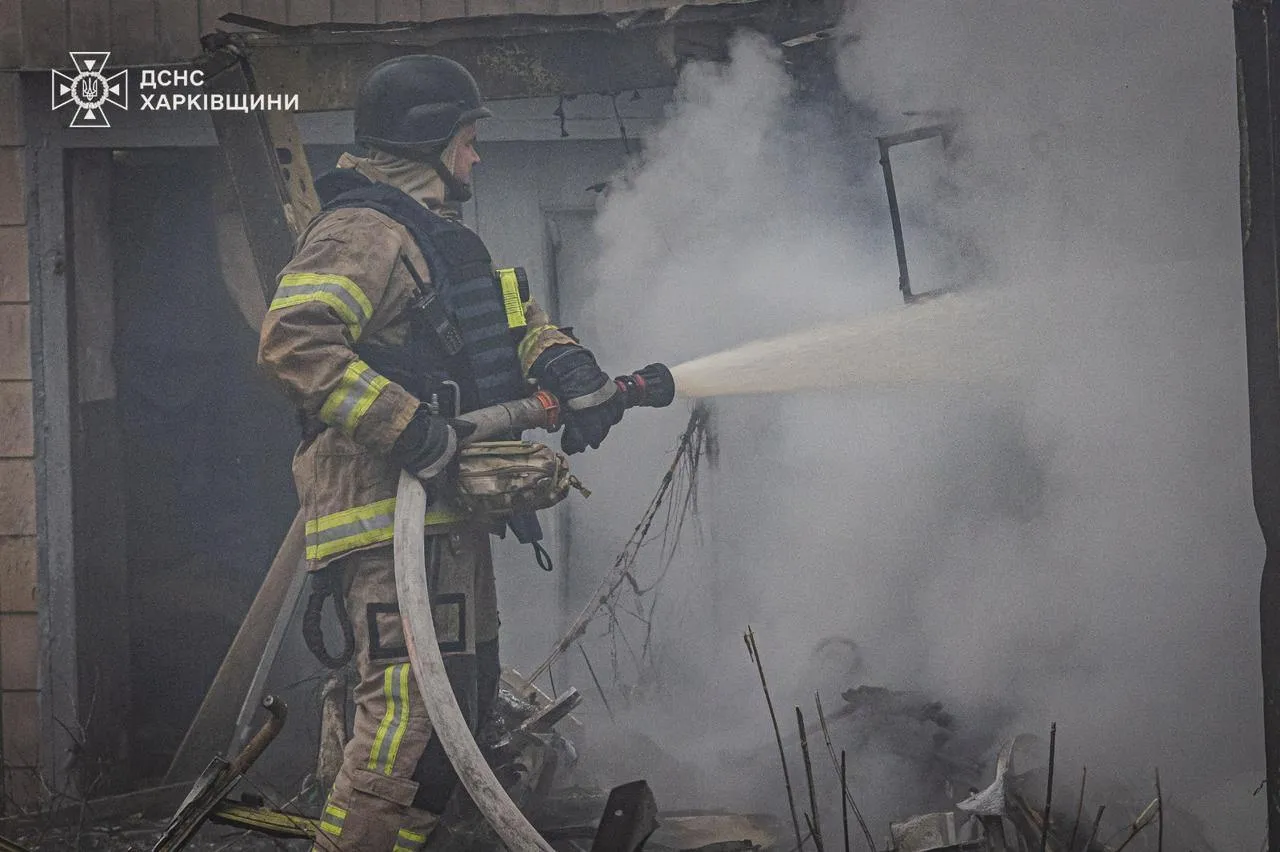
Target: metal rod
x=258, y=684
x=1048, y=793
x=895, y=217
x=216, y=718
x=848, y=796
x=1071, y=844
x=596, y=681
x=1093, y=835
x=844, y=802
x=816, y=827
x=750, y=638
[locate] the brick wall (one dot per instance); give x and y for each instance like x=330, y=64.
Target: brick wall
x=19, y=636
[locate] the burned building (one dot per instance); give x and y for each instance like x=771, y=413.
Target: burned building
x=144, y=481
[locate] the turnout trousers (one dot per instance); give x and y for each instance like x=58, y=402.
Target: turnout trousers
x=395, y=778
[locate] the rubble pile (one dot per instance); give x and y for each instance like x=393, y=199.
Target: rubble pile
x=969, y=805
x=964, y=789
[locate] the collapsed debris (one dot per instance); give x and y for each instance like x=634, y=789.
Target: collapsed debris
x=968, y=803
x=529, y=743
x=1007, y=816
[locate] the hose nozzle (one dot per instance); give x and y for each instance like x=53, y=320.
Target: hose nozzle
x=652, y=387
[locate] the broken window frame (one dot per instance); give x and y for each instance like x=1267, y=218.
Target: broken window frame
x=887, y=143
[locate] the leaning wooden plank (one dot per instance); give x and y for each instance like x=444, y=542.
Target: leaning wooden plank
x=265, y=820
x=213, y=725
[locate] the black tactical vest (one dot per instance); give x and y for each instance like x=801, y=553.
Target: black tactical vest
x=487, y=365
x=487, y=368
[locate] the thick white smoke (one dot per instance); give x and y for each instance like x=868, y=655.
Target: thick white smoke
x=1080, y=548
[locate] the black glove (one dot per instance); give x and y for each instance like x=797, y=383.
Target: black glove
x=429, y=445
x=590, y=399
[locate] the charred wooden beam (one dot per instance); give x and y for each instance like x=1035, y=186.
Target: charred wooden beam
x=252, y=158
x=516, y=56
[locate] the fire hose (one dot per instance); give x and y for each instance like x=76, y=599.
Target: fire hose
x=651, y=387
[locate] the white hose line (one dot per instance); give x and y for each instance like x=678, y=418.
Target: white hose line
x=516, y=833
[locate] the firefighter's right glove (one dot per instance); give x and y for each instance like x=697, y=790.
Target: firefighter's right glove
x=428, y=446
x=590, y=399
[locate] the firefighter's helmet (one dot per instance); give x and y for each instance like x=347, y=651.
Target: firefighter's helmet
x=412, y=105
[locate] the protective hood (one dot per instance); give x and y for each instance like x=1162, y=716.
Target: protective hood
x=419, y=181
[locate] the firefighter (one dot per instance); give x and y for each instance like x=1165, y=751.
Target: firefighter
x=387, y=323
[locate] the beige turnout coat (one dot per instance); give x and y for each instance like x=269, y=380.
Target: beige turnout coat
x=345, y=284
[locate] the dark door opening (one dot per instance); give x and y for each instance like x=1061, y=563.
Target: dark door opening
x=182, y=481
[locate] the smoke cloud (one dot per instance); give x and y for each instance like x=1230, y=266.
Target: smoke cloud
x=1079, y=547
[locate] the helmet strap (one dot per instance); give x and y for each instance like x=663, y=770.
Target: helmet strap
x=455, y=190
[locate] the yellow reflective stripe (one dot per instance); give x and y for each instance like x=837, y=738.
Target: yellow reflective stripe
x=530, y=339
x=409, y=841
x=337, y=291
x=388, y=714
x=330, y=283
x=511, y=301
x=309, y=279
x=353, y=324
x=348, y=403
x=395, y=687
x=404, y=724
x=332, y=820
x=362, y=526
x=337, y=519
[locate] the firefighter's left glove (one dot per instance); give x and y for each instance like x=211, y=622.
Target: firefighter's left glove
x=591, y=402
x=428, y=446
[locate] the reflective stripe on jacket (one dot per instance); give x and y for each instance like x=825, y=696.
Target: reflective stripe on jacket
x=346, y=284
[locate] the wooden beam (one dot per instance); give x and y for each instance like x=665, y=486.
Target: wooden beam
x=214, y=722
x=518, y=56
x=51, y=372
x=325, y=77
x=256, y=171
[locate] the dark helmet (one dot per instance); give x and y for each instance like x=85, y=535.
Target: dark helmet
x=412, y=105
